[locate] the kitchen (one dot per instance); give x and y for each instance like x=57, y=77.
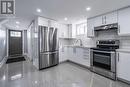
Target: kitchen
x=67, y=50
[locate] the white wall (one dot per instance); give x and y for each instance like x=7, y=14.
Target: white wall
x=3, y=42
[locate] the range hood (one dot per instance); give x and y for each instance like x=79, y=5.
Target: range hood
x=106, y=27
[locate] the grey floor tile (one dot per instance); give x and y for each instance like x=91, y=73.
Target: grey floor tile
x=24, y=74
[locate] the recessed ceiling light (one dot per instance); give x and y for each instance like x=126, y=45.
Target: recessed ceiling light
x=65, y=18
x=39, y=10
x=17, y=22
x=88, y=8
x=35, y=82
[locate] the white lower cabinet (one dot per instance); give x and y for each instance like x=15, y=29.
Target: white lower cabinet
x=80, y=55
x=86, y=57
x=123, y=66
x=63, y=54
x=75, y=54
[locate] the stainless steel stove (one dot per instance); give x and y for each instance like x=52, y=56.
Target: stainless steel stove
x=103, y=58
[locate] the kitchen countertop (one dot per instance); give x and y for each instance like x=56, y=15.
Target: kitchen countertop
x=123, y=50
x=78, y=46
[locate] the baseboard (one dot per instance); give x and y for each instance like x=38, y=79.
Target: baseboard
x=63, y=61
x=122, y=80
x=3, y=61
x=79, y=64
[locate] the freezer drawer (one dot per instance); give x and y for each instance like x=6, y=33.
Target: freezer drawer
x=48, y=59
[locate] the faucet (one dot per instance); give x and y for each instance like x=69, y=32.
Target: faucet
x=78, y=41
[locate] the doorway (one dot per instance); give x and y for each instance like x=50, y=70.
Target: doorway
x=15, y=43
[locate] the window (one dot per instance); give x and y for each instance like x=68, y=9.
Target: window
x=81, y=28
x=15, y=34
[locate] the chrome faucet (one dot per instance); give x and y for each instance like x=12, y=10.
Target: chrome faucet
x=78, y=41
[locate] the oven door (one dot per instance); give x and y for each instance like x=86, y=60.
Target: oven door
x=103, y=59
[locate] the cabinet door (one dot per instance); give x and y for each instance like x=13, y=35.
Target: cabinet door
x=53, y=24
x=111, y=18
x=70, y=53
x=98, y=21
x=86, y=57
x=43, y=21
x=79, y=55
x=63, y=54
x=63, y=31
x=124, y=21
x=90, y=27
x=123, y=65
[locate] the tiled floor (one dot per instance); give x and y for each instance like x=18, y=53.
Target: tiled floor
x=23, y=74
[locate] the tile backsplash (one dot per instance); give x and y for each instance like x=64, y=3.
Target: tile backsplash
x=112, y=34
x=125, y=42
x=101, y=35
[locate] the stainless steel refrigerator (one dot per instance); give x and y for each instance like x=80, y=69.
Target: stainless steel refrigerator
x=48, y=47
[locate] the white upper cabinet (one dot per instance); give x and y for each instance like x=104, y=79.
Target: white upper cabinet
x=63, y=31
x=53, y=23
x=111, y=18
x=43, y=21
x=106, y=19
x=123, y=64
x=98, y=21
x=90, y=27
x=47, y=22
x=124, y=22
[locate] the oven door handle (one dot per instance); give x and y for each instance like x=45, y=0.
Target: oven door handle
x=103, y=51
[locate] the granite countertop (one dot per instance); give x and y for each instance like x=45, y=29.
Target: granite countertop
x=123, y=50
x=78, y=46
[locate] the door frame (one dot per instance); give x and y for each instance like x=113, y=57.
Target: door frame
x=22, y=31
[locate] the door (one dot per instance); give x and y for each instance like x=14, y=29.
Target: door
x=15, y=42
x=48, y=39
x=124, y=21
x=123, y=65
x=90, y=28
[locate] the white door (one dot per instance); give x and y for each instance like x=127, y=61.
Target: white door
x=90, y=27
x=111, y=18
x=124, y=21
x=123, y=66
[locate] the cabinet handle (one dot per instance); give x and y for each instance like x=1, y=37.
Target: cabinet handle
x=105, y=20
x=118, y=57
x=102, y=19
x=119, y=28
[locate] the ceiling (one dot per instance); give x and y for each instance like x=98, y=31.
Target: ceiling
x=74, y=10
